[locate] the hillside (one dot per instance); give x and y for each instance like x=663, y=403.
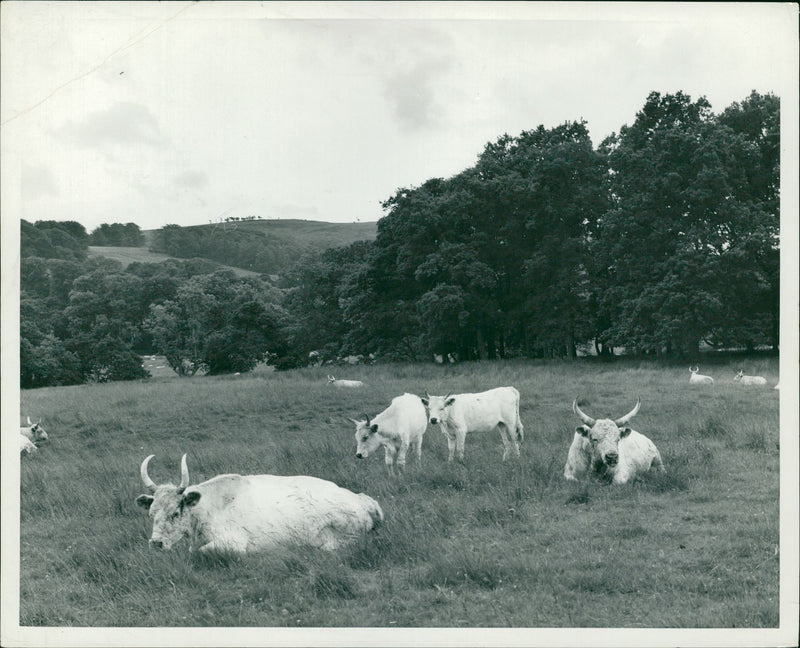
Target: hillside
x=128, y=255
x=264, y=246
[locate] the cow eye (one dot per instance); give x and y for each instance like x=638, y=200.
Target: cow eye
x=175, y=514
x=364, y=438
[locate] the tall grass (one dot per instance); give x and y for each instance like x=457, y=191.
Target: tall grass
x=484, y=543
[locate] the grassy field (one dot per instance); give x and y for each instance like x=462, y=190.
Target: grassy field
x=128, y=255
x=483, y=544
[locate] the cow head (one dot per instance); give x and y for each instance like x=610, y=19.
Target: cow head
x=438, y=407
x=739, y=375
x=603, y=436
x=37, y=431
x=367, y=439
x=168, y=506
x=331, y=379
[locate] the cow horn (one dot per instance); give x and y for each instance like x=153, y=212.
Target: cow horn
x=446, y=396
x=588, y=420
x=366, y=418
x=149, y=483
x=622, y=421
x=184, y=473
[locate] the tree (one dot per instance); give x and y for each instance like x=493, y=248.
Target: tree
x=219, y=323
x=661, y=254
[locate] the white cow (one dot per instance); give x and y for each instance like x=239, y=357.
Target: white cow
x=34, y=431
x=397, y=428
x=255, y=512
x=699, y=379
x=496, y=409
x=26, y=445
x=750, y=380
x=344, y=383
x=610, y=449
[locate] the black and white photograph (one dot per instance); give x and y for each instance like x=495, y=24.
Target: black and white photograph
x=399, y=323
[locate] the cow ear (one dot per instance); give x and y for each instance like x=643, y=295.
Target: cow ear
x=424, y=401
x=582, y=430
x=144, y=501
x=373, y=428
x=624, y=431
x=191, y=498
x=450, y=401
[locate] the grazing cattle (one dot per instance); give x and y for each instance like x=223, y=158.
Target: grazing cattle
x=496, y=409
x=699, y=379
x=750, y=380
x=610, y=449
x=397, y=428
x=34, y=432
x=26, y=445
x=344, y=383
x=255, y=512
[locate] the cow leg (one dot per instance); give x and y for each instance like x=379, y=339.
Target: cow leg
x=419, y=452
x=461, y=437
x=509, y=443
x=451, y=443
x=388, y=457
x=401, y=456
x=658, y=463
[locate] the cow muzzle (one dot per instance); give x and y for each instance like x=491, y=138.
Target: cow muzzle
x=361, y=455
x=611, y=459
x=156, y=544
x=434, y=421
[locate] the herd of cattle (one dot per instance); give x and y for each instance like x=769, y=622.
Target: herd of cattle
x=259, y=512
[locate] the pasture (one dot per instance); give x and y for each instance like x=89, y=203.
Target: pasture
x=483, y=544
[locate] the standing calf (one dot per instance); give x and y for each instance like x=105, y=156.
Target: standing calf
x=397, y=428
x=610, y=449
x=496, y=409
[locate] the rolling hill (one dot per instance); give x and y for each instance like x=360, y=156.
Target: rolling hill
x=263, y=246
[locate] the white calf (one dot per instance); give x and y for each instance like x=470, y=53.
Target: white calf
x=34, y=432
x=344, y=383
x=397, y=428
x=496, y=409
x=749, y=380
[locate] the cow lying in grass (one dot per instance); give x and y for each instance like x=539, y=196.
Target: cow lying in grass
x=337, y=382
x=749, y=380
x=397, y=428
x=34, y=431
x=610, y=449
x=255, y=512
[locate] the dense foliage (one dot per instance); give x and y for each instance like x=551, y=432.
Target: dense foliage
x=663, y=238
x=89, y=320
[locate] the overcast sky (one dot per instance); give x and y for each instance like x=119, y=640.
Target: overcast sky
x=174, y=112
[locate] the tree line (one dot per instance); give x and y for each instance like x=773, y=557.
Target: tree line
x=663, y=237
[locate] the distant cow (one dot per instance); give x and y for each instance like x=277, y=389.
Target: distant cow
x=699, y=379
x=496, y=409
x=344, y=383
x=610, y=449
x=750, y=380
x=26, y=445
x=34, y=431
x=397, y=428
x=255, y=512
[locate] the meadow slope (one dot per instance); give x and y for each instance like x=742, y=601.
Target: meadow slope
x=483, y=544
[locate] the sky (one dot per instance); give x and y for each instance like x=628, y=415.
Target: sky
x=188, y=113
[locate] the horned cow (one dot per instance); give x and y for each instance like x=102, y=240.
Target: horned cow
x=610, y=449
x=255, y=512
x=397, y=428
x=34, y=431
x=496, y=409
x=699, y=379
